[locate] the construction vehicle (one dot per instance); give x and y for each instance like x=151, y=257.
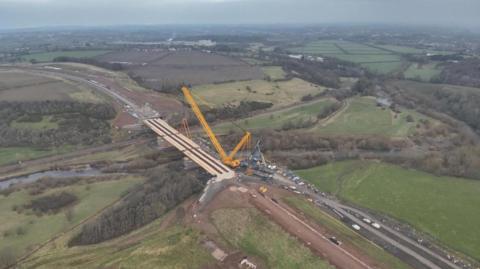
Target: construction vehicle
x=262, y=189
x=229, y=159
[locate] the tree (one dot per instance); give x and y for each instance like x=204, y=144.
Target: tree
x=410, y=118
x=362, y=86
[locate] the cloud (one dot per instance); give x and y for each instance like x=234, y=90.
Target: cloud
x=22, y=13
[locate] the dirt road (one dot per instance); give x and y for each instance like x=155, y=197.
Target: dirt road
x=336, y=255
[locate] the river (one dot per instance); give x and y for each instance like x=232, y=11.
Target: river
x=86, y=172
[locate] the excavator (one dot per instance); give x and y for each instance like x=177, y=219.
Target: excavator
x=229, y=159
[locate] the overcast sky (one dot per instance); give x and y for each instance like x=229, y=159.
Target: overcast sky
x=36, y=13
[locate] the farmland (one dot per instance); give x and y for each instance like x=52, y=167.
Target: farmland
x=345, y=234
x=410, y=50
x=254, y=234
x=363, y=117
x=420, y=199
x=25, y=87
x=50, y=56
x=374, y=59
x=423, y=72
x=37, y=229
x=279, y=93
x=277, y=119
x=159, y=69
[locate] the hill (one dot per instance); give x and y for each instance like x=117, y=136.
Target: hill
x=420, y=199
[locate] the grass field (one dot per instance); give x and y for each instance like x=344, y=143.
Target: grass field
x=279, y=93
x=422, y=72
x=40, y=229
x=254, y=234
x=411, y=50
x=363, y=117
x=45, y=124
x=19, y=86
x=383, y=68
x=274, y=72
x=50, y=56
x=15, y=154
x=444, y=207
x=176, y=247
x=345, y=234
x=275, y=120
x=374, y=59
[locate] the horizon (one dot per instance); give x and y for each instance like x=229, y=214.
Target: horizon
x=108, y=13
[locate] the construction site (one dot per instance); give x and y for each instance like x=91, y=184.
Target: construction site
x=244, y=174
x=229, y=205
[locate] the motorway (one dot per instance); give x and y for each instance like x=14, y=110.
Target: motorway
x=418, y=256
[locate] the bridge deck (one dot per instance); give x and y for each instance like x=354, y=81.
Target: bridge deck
x=193, y=151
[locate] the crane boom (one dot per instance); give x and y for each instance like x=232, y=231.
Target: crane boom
x=226, y=159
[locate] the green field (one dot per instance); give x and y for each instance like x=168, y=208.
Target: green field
x=15, y=154
x=275, y=120
x=384, y=68
x=374, y=59
x=411, y=50
x=39, y=229
x=279, y=93
x=50, y=56
x=152, y=246
x=274, y=72
x=46, y=123
x=363, y=117
x=345, y=234
x=423, y=72
x=444, y=207
x=254, y=234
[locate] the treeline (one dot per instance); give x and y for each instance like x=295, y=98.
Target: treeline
x=312, y=72
x=310, y=141
x=244, y=109
x=465, y=73
x=164, y=189
x=91, y=61
x=461, y=105
x=78, y=123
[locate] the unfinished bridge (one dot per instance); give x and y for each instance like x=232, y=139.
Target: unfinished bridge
x=192, y=150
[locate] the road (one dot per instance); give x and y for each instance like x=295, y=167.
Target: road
x=336, y=255
x=424, y=257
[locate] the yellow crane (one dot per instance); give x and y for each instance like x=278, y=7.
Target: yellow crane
x=229, y=159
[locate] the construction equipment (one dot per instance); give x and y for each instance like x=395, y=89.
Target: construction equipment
x=185, y=128
x=229, y=159
x=262, y=189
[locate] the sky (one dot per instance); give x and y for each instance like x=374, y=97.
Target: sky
x=40, y=13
